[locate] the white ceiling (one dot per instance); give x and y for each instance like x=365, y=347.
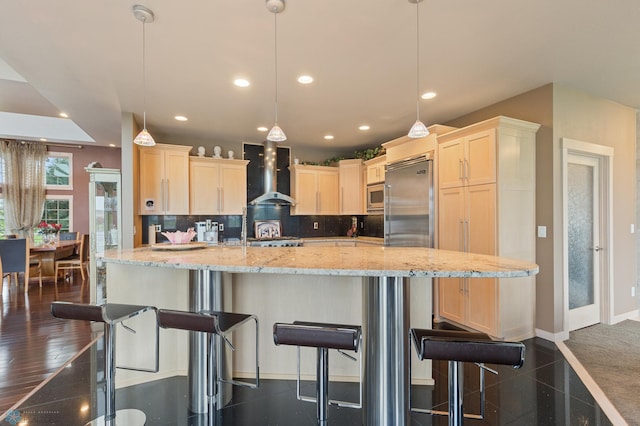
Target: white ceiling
x=85, y=58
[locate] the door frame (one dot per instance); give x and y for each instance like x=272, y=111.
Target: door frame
x=604, y=155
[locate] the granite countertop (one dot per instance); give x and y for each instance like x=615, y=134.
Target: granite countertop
x=346, y=261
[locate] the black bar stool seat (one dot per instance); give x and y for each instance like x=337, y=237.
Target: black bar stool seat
x=458, y=347
x=213, y=323
x=110, y=314
x=322, y=336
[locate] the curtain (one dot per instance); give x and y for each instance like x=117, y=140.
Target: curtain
x=23, y=188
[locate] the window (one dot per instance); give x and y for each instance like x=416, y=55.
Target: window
x=59, y=170
x=59, y=209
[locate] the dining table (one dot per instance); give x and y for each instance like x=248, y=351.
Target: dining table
x=49, y=253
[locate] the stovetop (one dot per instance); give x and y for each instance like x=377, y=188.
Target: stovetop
x=275, y=242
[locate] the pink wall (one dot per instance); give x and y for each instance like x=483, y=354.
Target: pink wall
x=108, y=157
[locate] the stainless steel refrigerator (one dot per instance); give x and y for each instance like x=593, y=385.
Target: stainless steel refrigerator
x=409, y=203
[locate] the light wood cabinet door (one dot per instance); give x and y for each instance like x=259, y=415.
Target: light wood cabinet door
x=328, y=192
x=451, y=164
x=164, y=179
x=376, y=169
x=305, y=191
x=204, y=188
x=450, y=231
x=233, y=187
x=316, y=190
x=217, y=186
x=176, y=171
x=151, y=182
x=480, y=157
x=351, y=187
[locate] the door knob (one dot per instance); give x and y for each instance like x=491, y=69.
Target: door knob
x=597, y=248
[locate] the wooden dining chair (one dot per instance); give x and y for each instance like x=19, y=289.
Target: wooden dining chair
x=80, y=260
x=69, y=236
x=16, y=258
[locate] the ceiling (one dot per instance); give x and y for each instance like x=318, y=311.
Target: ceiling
x=85, y=58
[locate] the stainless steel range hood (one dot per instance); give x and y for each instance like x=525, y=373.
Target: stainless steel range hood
x=271, y=195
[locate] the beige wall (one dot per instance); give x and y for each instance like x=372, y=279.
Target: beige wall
x=108, y=157
x=590, y=119
x=566, y=112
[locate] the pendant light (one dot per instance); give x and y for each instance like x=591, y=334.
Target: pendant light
x=144, y=15
x=418, y=130
x=276, y=6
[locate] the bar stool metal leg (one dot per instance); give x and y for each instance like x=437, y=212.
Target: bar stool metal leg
x=322, y=388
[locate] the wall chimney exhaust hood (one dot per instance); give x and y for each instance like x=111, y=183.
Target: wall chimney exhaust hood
x=271, y=196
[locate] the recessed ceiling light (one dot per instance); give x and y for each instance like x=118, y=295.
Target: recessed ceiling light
x=428, y=95
x=328, y=137
x=64, y=115
x=112, y=145
x=241, y=82
x=364, y=127
x=180, y=118
x=305, y=79
x=262, y=129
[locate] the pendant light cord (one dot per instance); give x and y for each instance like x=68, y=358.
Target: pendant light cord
x=144, y=76
x=418, y=60
x=275, y=44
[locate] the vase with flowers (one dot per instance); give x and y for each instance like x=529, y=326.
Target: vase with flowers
x=49, y=232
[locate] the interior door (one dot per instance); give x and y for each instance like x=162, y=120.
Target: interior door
x=583, y=232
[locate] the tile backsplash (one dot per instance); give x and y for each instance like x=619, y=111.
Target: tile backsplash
x=295, y=226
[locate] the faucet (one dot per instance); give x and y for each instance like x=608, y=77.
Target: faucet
x=243, y=233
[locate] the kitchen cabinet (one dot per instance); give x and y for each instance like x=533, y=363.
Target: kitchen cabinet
x=164, y=180
x=351, y=178
x=376, y=169
x=468, y=160
x=217, y=186
x=315, y=189
x=486, y=205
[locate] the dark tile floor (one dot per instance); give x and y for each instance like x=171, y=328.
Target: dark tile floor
x=545, y=391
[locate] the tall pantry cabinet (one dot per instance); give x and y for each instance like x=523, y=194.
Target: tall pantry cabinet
x=486, y=205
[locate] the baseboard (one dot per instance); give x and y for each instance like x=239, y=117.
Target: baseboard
x=552, y=337
x=627, y=315
x=146, y=378
x=308, y=377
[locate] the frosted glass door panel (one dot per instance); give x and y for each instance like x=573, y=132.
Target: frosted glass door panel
x=583, y=235
x=580, y=210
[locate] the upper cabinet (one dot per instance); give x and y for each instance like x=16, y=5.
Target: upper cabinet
x=351, y=186
x=164, y=179
x=315, y=189
x=218, y=186
x=468, y=160
x=376, y=169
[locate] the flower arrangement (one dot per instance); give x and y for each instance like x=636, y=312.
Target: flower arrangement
x=49, y=228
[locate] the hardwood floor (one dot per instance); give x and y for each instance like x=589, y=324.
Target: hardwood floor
x=33, y=344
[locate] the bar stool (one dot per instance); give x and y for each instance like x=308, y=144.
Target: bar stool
x=213, y=323
x=323, y=337
x=458, y=347
x=110, y=314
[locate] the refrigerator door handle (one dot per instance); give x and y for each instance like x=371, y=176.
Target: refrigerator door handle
x=387, y=213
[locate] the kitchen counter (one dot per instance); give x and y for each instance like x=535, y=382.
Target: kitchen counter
x=385, y=289
x=365, y=261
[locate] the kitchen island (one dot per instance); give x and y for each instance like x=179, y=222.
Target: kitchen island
x=195, y=280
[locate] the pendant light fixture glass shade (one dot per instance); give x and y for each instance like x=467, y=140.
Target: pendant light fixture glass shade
x=144, y=15
x=418, y=130
x=276, y=134
x=276, y=6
